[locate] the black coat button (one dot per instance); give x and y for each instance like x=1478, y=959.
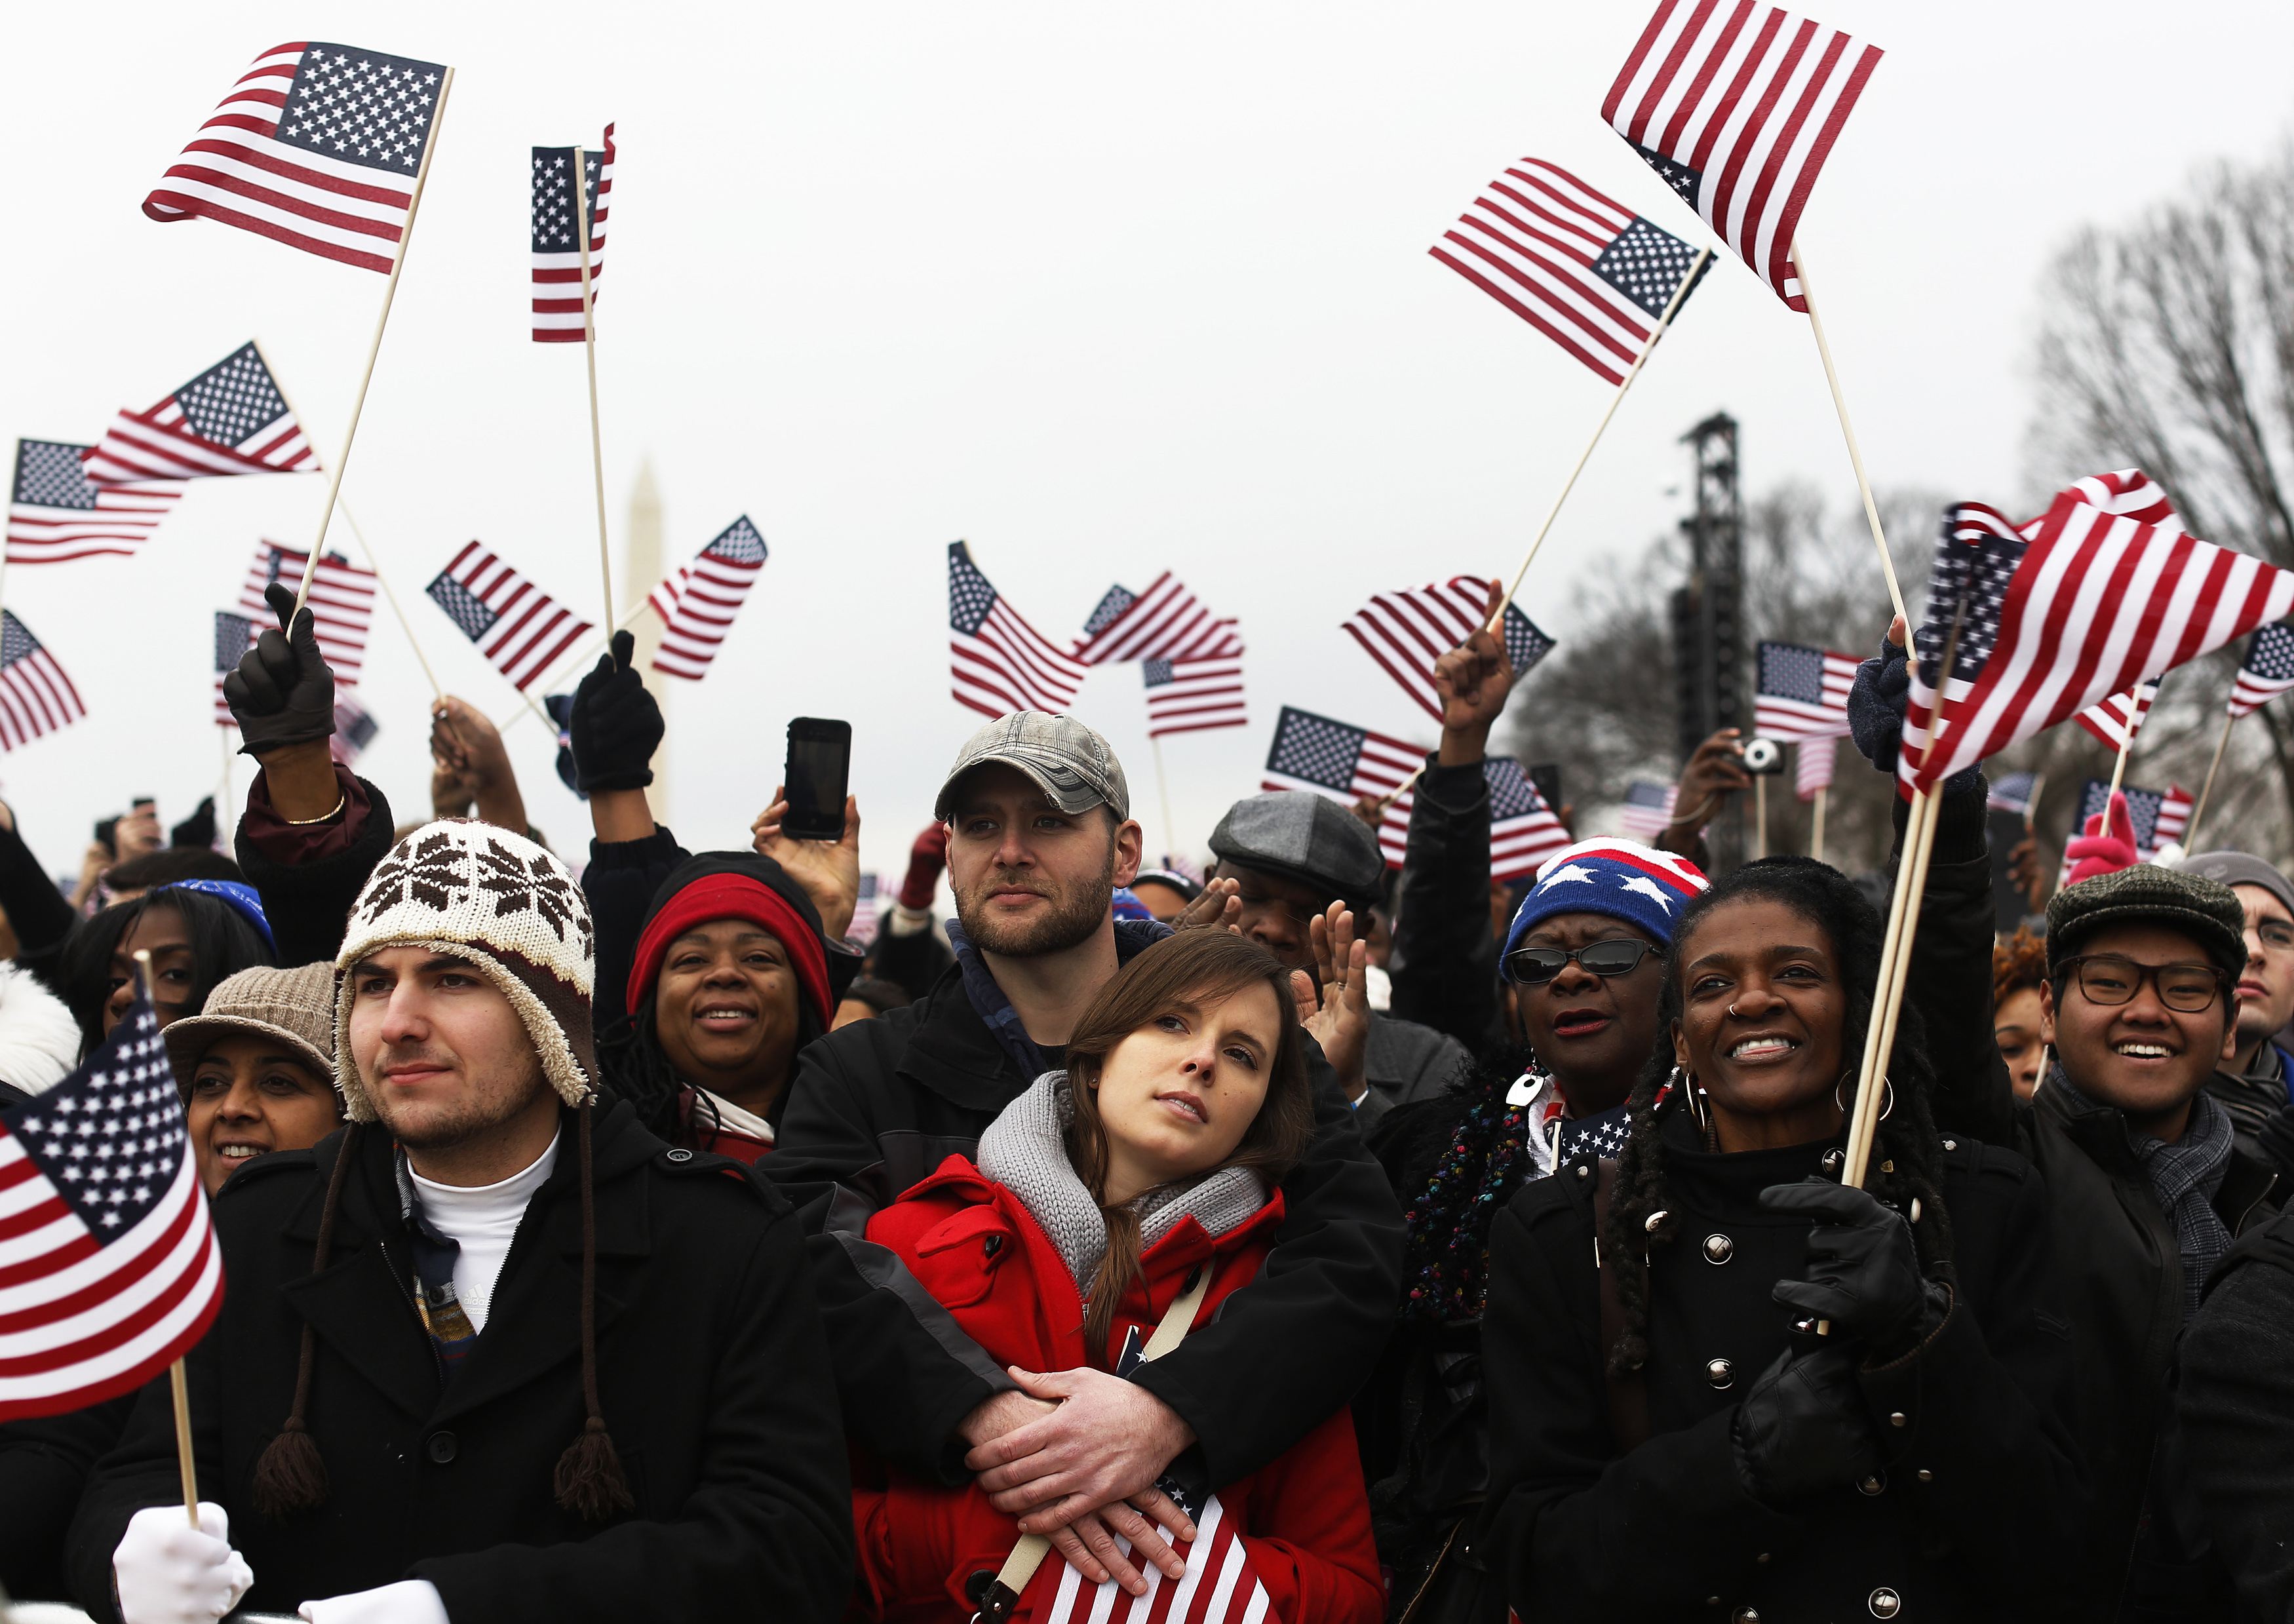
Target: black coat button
x=442, y=1447
x=976, y=1586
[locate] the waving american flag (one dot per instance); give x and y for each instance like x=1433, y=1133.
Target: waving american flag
x=558, y=236
x=2268, y=671
x=2116, y=720
x=35, y=696
x=231, y=418
x=998, y=662
x=519, y=627
x=1803, y=691
x=341, y=603
x=1194, y=696
x=54, y=515
x=1408, y=631
x=1647, y=811
x=697, y=604
x=109, y=1266
x=1167, y=622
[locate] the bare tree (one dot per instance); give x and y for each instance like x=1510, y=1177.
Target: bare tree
x=2169, y=345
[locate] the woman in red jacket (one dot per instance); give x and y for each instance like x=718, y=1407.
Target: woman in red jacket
x=1098, y=1197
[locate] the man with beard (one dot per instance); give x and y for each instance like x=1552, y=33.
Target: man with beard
x=1040, y=835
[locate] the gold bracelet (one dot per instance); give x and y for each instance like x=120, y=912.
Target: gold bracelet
x=341, y=800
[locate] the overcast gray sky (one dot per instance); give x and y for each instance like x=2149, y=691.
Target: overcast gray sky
x=1105, y=291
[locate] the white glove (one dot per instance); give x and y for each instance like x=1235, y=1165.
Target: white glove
x=168, y=1572
x=410, y=1601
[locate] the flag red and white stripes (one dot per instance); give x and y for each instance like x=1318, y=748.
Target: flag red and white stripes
x=557, y=237
x=1577, y=265
x=697, y=604
x=1194, y=696
x=341, y=603
x=1167, y=622
x=998, y=662
x=1408, y=631
x=1801, y=692
x=231, y=418
x=55, y=515
x=1813, y=760
x=317, y=146
x=35, y=696
x=1220, y=1587
x=2267, y=673
x=520, y=629
x=1647, y=811
x=110, y=1270
x=2116, y=720
x=1737, y=104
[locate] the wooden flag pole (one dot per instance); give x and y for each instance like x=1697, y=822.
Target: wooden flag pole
x=1816, y=825
x=374, y=348
x=1585, y=456
x=1163, y=794
x=2191, y=834
x=2031, y=812
x=1855, y=454
x=437, y=690
x=590, y=351
x=2118, y=768
x=1759, y=816
x=178, y=1389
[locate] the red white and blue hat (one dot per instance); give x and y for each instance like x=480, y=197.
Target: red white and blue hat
x=1646, y=888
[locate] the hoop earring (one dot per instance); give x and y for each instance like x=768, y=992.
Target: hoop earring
x=1887, y=1097
x=1702, y=1117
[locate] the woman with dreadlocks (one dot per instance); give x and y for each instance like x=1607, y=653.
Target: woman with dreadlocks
x=713, y=969
x=1724, y=1386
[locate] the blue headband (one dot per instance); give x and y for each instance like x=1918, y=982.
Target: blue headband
x=234, y=895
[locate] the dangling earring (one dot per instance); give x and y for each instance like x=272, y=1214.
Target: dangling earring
x=1887, y=1096
x=1701, y=1115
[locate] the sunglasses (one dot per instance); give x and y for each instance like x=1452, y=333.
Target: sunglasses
x=1535, y=966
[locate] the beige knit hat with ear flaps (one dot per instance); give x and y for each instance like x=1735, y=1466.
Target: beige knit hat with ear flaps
x=505, y=906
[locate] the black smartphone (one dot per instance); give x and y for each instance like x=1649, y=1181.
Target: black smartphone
x=1545, y=778
x=105, y=827
x=819, y=760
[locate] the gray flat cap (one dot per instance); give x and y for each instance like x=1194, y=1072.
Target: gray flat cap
x=1304, y=837
x=1068, y=761
x=2237, y=868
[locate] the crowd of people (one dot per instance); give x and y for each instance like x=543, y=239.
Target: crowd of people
x=1295, y=1239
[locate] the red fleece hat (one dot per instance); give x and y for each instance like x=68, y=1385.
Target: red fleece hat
x=732, y=895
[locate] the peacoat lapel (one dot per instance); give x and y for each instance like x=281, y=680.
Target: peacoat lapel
x=359, y=1304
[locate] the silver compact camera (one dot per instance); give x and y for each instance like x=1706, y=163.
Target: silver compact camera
x=1763, y=756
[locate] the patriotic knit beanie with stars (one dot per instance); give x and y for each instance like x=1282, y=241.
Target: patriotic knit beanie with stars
x=505, y=906
x=1639, y=884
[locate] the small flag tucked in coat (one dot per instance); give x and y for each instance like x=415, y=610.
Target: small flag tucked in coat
x=55, y=515
x=35, y=696
x=1578, y=266
x=697, y=604
x=516, y=626
x=2268, y=671
x=1803, y=691
x=1167, y=622
x=231, y=418
x=1737, y=105
x=558, y=236
x=317, y=146
x=999, y=663
x=234, y=635
x=109, y=1266
x=1406, y=632
x=1220, y=1587
x=1647, y=811
x=341, y=603
x=1194, y=696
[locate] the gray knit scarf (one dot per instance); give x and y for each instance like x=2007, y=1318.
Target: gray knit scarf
x=1025, y=1150
x=2185, y=1177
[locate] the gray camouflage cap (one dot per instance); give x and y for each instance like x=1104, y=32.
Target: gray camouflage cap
x=1067, y=761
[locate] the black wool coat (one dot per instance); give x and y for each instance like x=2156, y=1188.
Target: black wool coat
x=713, y=1381
x=1974, y=1514
x=881, y=1103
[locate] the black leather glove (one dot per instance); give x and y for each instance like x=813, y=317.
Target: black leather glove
x=282, y=693
x=1803, y=1430
x=197, y=830
x=616, y=725
x=1863, y=1271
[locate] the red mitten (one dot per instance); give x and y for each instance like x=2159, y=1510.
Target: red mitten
x=2106, y=847
x=926, y=858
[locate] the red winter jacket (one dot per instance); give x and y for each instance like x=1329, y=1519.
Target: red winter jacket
x=979, y=1251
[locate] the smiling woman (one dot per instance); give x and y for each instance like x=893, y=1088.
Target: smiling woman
x=195, y=940
x=256, y=1066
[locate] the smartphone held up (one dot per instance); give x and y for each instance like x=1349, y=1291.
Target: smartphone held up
x=814, y=782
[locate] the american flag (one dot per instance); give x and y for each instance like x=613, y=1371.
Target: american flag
x=109, y=1266
x=35, y=696
x=2014, y=792
x=2088, y=606
x=556, y=237
x=234, y=635
x=1194, y=696
x=231, y=418
x=341, y=603
x=1802, y=692
x=2116, y=720
x=1813, y=760
x=1580, y=268
x=2159, y=816
x=1737, y=105
x=1523, y=831
x=2268, y=671
x=697, y=604
x=1111, y=603
x=998, y=662
x=1167, y=622
x=1647, y=812
x=1221, y=1586
x=317, y=146
x=54, y=515
x=354, y=730
x=1406, y=632
x=517, y=625
x=1344, y=763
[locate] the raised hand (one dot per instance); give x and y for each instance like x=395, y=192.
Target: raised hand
x=1473, y=680
x=1220, y=904
x=1336, y=1013
x=616, y=725
x=282, y=693
x=828, y=871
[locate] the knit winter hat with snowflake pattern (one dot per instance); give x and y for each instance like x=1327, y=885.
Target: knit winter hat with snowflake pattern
x=507, y=907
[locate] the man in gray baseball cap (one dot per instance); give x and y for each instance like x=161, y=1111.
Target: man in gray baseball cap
x=2254, y=1083
x=1069, y=763
x=1289, y=857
